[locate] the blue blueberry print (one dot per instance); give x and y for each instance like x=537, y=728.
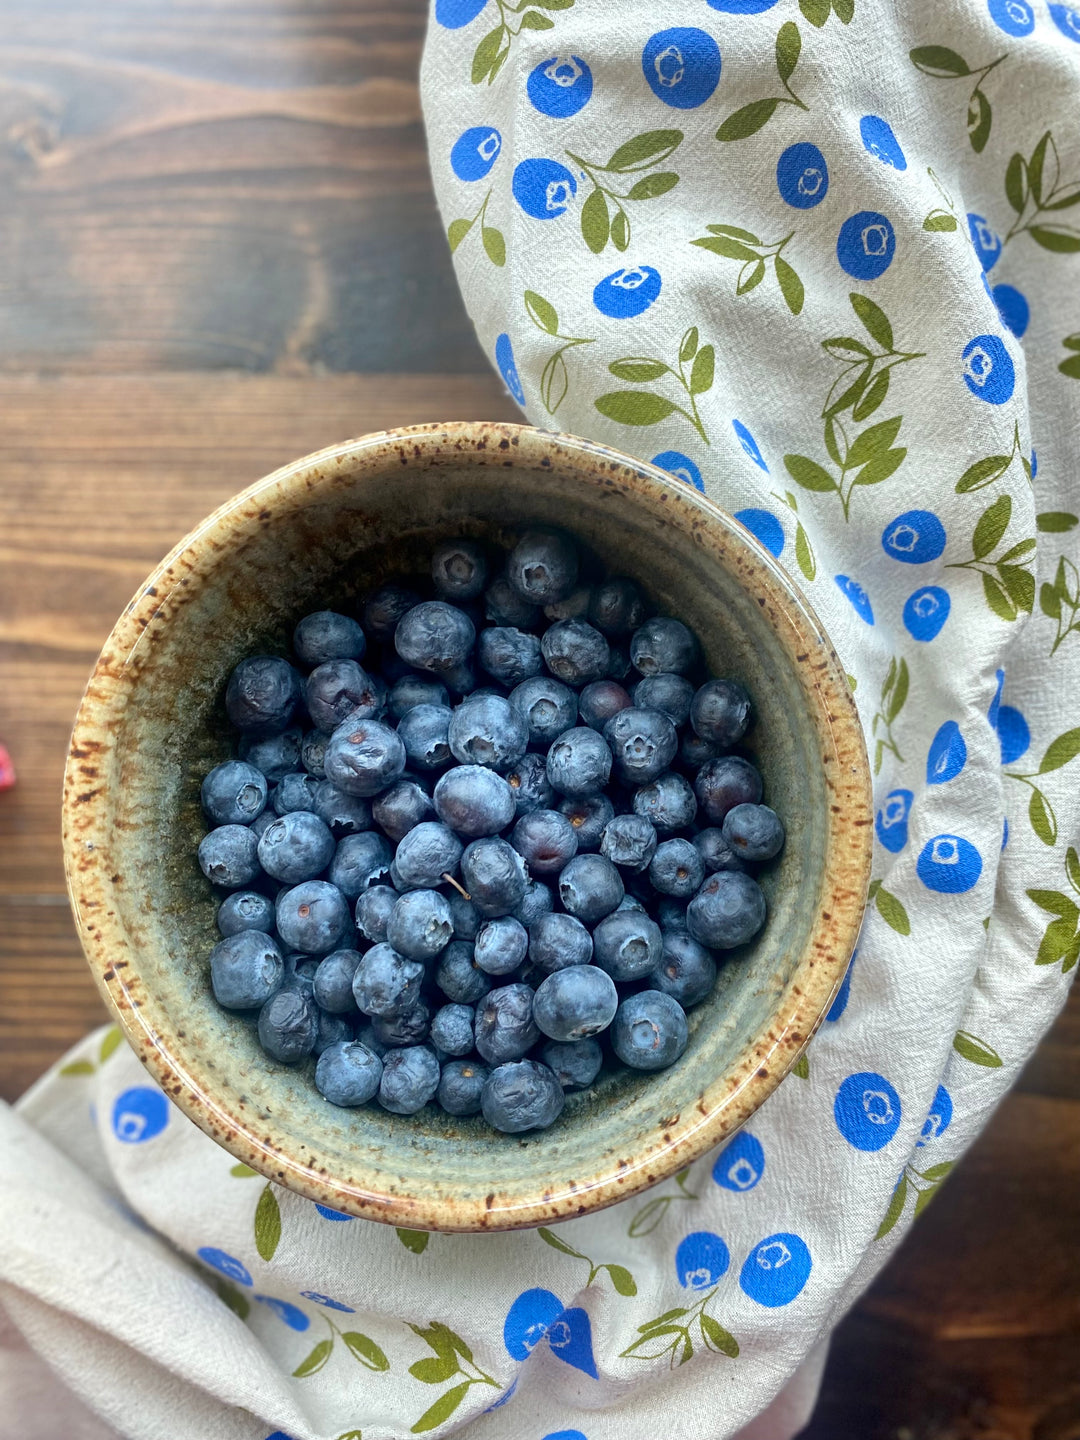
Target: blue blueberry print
x=328, y=1214
x=681, y=466
x=858, y=597
x=453, y=14
x=700, y=1260
x=764, y=526
x=228, y=1264
x=475, y=152
x=290, y=1314
x=504, y=1398
x=867, y=1110
x=947, y=755
x=560, y=86
x=986, y=240
x=528, y=1320
x=914, y=538
x=1034, y=465
x=740, y=1165
x=570, y=1338
x=279, y=1435
x=937, y=1122
x=891, y=821
x=1067, y=20
x=879, y=140
x=1013, y=308
x=802, y=177
x=926, y=611
x=843, y=995
x=776, y=1270
x=741, y=7
x=1015, y=17
x=995, y=703
x=317, y=1299
x=139, y=1114
x=565, y=1435
x=627, y=292
x=949, y=864
x=866, y=245
x=988, y=369
x=749, y=444
x=1013, y=733
x=504, y=359
x=543, y=188
x=681, y=67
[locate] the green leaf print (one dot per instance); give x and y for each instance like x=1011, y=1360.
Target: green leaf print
x=603, y=214
x=452, y=1357
x=1055, y=522
x=267, y=1224
x=364, y=1349
x=555, y=377
x=652, y=1215
x=414, y=1240
x=804, y=553
x=434, y=1369
x=894, y=693
x=940, y=63
x=442, y=1409
x=977, y=1051
x=235, y=1299
x=1061, y=940
x=670, y=1334
x=1040, y=810
x=109, y=1042
x=78, y=1067
x=493, y=241
x=1033, y=189
x=647, y=407
x=1071, y=365
x=732, y=243
x=751, y=118
x=621, y=1279
x=1008, y=585
x=313, y=1362
x=924, y=1184
x=895, y=1210
x=491, y=53
x=801, y=1068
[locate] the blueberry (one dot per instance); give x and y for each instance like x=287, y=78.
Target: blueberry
x=802, y=176
x=693, y=751
x=649, y=1031
x=629, y=841
x=234, y=793
x=662, y=644
x=245, y=970
x=262, y=695
x=467, y=919
x=229, y=856
x=545, y=840
x=501, y=945
x=300, y=972
x=600, y=700
x=342, y=814
x=558, y=940
x=373, y=912
x=326, y=635
x=617, y=606
x=262, y=823
x=420, y=924
x=543, y=566
x=459, y=569
x=427, y=854
x=628, y=291
x=359, y=862
x=386, y=983
x=288, y=1026
x=720, y=713
x=295, y=792
x=687, y=971
x=340, y=690
x=333, y=982
x=364, y=757
x=590, y=887
x=576, y=1002
x=434, y=636
x=494, y=875
x=682, y=65
x=728, y=910
x=509, y=655
x=401, y=807
x=560, y=86
x=504, y=606
x=461, y=1085
x=423, y=732
x=589, y=815
x=474, y=801
x=530, y=788
x=574, y=606
x=643, y=743
x=723, y=783
x=575, y=652
x=545, y=190
x=410, y=1078
x=667, y=692
x=458, y=976
x=547, y=706
x=505, y=1029
x=671, y=914
x=452, y=1029
x=408, y=1028
x=488, y=730
x=677, y=869
x=313, y=753
x=245, y=910
x=413, y=690
x=534, y=904
x=754, y=832
x=627, y=945
x=384, y=609
x=274, y=755
x=460, y=680
x=579, y=762
x=312, y=917
x=348, y=1073
x=668, y=803
x=631, y=903
x=331, y=1030
x=574, y=1063
x=714, y=850
x=522, y=1096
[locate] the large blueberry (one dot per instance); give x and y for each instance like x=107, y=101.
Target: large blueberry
x=453, y=14
x=475, y=152
x=139, y=1114
x=740, y=1165
x=528, y=1321
x=776, y=1270
x=939, y=1118
x=681, y=66
x=879, y=140
x=1015, y=17
x=570, y=1338
x=1067, y=20
x=857, y=595
x=914, y=538
x=926, y=611
x=701, y=1259
x=891, y=821
x=504, y=359
x=986, y=240
x=291, y=1315
x=866, y=245
x=627, y=292
x=228, y=1265
x=988, y=369
x=765, y=527
x=947, y=755
x=543, y=188
x=1013, y=733
x=1013, y=308
x=560, y=86
x=867, y=1110
x=681, y=466
x=802, y=177
x=949, y=864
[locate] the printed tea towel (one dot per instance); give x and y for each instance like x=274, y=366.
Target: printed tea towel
x=819, y=259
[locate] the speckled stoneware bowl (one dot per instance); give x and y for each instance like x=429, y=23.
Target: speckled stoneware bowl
x=323, y=531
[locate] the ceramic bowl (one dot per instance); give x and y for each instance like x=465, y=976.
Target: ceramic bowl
x=320, y=532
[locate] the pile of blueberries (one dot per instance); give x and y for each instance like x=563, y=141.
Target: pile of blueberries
x=516, y=826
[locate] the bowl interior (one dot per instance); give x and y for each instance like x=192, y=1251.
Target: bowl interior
x=319, y=535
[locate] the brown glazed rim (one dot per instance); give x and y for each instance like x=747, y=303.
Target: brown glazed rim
x=758, y=1069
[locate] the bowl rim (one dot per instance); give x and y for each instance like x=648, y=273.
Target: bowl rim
x=737, y=1092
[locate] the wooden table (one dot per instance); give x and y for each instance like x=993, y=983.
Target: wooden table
x=219, y=250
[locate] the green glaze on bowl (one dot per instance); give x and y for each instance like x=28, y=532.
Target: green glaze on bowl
x=323, y=531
